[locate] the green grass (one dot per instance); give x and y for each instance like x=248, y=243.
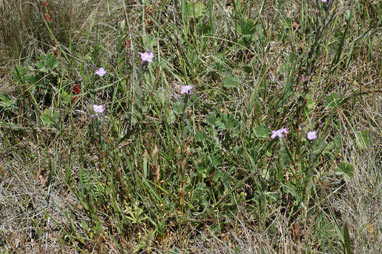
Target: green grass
x=163, y=172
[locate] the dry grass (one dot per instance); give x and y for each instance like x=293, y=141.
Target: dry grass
x=360, y=205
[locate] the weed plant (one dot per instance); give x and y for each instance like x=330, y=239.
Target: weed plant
x=190, y=126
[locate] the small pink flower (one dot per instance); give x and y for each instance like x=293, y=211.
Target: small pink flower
x=98, y=109
x=185, y=89
x=147, y=56
x=311, y=135
x=100, y=72
x=279, y=133
x=324, y=1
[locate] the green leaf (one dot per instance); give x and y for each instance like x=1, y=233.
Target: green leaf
x=51, y=62
x=332, y=100
x=178, y=108
x=19, y=73
x=211, y=118
x=47, y=63
x=262, y=132
x=66, y=98
x=231, y=81
x=363, y=139
x=310, y=102
x=200, y=136
x=7, y=103
x=149, y=41
x=50, y=117
x=220, y=124
x=195, y=10
x=346, y=170
x=245, y=40
x=229, y=121
x=216, y=161
x=221, y=177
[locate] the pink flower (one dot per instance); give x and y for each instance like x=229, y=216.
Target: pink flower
x=98, y=109
x=279, y=133
x=100, y=72
x=147, y=56
x=324, y=1
x=311, y=135
x=185, y=89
